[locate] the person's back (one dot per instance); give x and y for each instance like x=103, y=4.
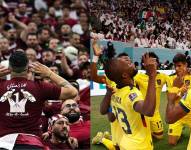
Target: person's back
x=21, y=104
x=21, y=101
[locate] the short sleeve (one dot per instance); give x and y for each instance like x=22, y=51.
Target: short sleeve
x=185, y=101
x=50, y=91
x=135, y=96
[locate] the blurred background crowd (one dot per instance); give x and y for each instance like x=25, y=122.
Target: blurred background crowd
x=55, y=33
x=144, y=23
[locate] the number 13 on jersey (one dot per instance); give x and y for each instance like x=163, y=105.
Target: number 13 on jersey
x=122, y=118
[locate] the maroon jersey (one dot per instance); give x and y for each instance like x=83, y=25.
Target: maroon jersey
x=21, y=103
x=85, y=103
x=60, y=146
x=81, y=131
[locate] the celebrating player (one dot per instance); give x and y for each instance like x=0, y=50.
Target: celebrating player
x=128, y=104
x=141, y=81
x=180, y=63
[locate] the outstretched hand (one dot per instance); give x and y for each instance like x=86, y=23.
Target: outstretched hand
x=150, y=65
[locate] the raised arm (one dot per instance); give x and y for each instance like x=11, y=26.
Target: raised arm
x=67, y=90
x=147, y=107
x=97, y=52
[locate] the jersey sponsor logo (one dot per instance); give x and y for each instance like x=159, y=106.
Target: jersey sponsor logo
x=132, y=96
x=17, y=104
x=159, y=81
x=187, y=82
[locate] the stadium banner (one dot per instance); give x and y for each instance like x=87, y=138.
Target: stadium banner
x=100, y=89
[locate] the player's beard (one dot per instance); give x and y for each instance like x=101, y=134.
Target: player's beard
x=73, y=117
x=61, y=137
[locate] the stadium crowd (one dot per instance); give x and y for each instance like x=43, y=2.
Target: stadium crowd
x=149, y=24
x=56, y=34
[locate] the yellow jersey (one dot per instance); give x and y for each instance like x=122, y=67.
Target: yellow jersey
x=116, y=130
x=185, y=103
x=141, y=81
x=136, y=133
x=187, y=81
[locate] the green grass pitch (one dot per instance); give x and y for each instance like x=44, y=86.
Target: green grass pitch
x=100, y=123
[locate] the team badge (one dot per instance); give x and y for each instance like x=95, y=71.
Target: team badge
x=132, y=96
x=159, y=82
x=187, y=82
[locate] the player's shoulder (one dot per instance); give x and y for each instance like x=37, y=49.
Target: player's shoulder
x=140, y=75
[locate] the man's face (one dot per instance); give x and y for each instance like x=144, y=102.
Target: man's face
x=61, y=129
x=31, y=54
x=128, y=66
x=71, y=110
x=54, y=69
x=32, y=27
x=36, y=18
x=66, y=12
x=83, y=17
x=75, y=40
x=12, y=34
x=4, y=44
x=82, y=59
x=32, y=41
x=66, y=29
x=47, y=56
x=22, y=8
x=53, y=43
x=69, y=106
x=45, y=35
x=86, y=73
x=181, y=68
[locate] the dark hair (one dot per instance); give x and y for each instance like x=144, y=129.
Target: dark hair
x=75, y=84
x=31, y=34
x=84, y=65
x=49, y=50
x=18, y=61
x=153, y=55
x=122, y=54
x=179, y=57
x=44, y=28
x=136, y=63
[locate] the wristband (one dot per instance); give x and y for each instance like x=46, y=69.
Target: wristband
x=110, y=109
